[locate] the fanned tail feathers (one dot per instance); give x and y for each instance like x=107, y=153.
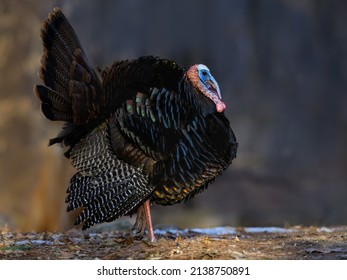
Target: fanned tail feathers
x=71, y=85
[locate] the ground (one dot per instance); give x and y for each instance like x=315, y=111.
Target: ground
x=217, y=243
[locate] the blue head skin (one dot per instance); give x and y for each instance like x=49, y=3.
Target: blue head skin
x=202, y=79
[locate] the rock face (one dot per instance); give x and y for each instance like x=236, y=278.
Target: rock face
x=281, y=67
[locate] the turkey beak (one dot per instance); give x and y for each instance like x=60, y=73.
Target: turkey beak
x=213, y=86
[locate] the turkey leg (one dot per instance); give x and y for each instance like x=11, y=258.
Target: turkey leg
x=143, y=220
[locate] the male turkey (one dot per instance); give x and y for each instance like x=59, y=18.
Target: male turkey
x=142, y=131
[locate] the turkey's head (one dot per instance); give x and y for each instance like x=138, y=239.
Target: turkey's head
x=202, y=79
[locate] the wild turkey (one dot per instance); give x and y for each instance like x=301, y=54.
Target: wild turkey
x=142, y=131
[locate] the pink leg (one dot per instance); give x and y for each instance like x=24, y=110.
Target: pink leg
x=147, y=209
x=144, y=219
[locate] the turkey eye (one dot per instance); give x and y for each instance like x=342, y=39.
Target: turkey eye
x=204, y=73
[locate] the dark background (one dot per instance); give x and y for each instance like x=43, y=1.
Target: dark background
x=282, y=69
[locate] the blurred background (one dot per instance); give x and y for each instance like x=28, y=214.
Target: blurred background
x=282, y=69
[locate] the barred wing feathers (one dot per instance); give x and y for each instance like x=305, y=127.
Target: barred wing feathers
x=106, y=187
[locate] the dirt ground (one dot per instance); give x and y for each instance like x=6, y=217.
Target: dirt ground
x=241, y=243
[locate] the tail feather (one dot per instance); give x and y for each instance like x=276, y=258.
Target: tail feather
x=57, y=21
x=50, y=97
x=59, y=41
x=54, y=78
x=71, y=87
x=54, y=114
x=55, y=106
